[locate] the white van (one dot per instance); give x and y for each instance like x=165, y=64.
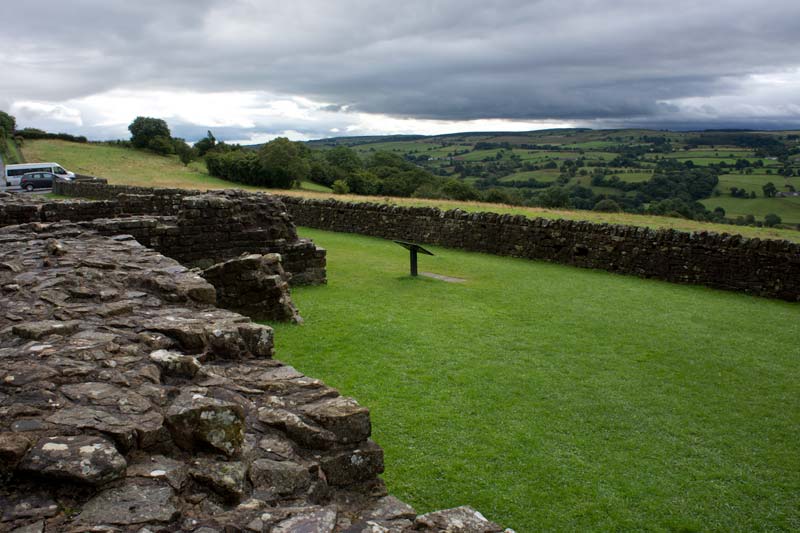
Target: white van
x=14, y=172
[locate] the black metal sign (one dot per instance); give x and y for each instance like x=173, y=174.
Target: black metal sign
x=413, y=249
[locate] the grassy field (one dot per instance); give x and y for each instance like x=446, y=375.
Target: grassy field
x=122, y=166
x=633, y=177
x=754, y=182
x=559, y=399
x=786, y=208
x=544, y=176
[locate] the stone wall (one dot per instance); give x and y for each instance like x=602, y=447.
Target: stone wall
x=254, y=285
x=99, y=189
x=130, y=403
x=766, y=268
x=198, y=229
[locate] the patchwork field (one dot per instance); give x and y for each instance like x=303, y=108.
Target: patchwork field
x=561, y=399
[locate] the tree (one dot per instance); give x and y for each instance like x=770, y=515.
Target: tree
x=8, y=124
x=772, y=220
x=459, y=190
x=554, y=197
x=284, y=162
x=205, y=144
x=344, y=157
x=769, y=190
x=144, y=131
x=363, y=182
x=607, y=206
x=161, y=144
x=184, y=151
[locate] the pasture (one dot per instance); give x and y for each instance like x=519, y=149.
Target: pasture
x=754, y=182
x=559, y=399
x=786, y=208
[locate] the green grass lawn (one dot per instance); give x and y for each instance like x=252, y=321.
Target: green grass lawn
x=559, y=399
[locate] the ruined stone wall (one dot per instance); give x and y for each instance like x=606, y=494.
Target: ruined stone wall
x=198, y=229
x=766, y=268
x=129, y=403
x=98, y=189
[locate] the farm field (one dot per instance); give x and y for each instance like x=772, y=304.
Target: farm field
x=545, y=176
x=754, y=182
x=559, y=399
x=633, y=177
x=786, y=208
x=124, y=166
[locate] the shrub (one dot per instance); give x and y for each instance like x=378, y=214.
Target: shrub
x=772, y=220
x=459, y=190
x=340, y=187
x=161, y=145
x=607, y=206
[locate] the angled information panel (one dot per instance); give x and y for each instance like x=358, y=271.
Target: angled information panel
x=413, y=250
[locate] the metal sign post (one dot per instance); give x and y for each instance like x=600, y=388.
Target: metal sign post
x=413, y=249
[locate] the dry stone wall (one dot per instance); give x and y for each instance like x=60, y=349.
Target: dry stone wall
x=195, y=228
x=768, y=268
x=130, y=403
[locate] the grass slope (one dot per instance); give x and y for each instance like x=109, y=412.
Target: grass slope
x=559, y=399
x=786, y=208
x=124, y=166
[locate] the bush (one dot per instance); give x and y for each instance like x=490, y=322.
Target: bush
x=772, y=220
x=241, y=166
x=206, y=144
x=340, y=187
x=34, y=133
x=459, y=190
x=607, y=206
x=161, y=145
x=496, y=196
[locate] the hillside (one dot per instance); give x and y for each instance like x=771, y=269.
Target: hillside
x=613, y=164
x=131, y=167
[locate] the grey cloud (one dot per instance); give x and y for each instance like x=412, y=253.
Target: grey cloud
x=451, y=59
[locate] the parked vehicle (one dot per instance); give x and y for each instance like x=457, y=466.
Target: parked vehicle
x=14, y=173
x=37, y=180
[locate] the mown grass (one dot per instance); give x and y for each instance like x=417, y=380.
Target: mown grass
x=559, y=399
x=122, y=166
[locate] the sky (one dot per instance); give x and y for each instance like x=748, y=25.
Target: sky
x=252, y=70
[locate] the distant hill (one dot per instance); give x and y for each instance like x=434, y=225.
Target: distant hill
x=592, y=165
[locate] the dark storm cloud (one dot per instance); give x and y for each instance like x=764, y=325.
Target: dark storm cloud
x=614, y=61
